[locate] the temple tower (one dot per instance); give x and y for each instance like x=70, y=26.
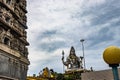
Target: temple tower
x=13, y=51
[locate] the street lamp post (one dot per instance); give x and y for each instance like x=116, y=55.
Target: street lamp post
x=63, y=60
x=111, y=56
x=82, y=40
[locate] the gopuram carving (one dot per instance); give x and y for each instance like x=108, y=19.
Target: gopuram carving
x=13, y=40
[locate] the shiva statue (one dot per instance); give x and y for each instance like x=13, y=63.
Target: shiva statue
x=72, y=61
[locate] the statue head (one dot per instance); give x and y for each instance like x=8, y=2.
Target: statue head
x=72, y=51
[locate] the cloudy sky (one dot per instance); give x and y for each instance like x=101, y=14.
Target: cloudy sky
x=56, y=25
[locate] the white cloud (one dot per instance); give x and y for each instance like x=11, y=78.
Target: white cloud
x=60, y=24
x=93, y=3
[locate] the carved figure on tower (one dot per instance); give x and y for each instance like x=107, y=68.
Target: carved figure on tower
x=72, y=61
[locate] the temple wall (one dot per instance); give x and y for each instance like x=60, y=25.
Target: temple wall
x=99, y=75
x=12, y=67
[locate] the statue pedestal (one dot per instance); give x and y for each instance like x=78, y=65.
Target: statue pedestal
x=74, y=70
x=74, y=74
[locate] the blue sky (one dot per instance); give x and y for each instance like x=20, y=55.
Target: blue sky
x=56, y=25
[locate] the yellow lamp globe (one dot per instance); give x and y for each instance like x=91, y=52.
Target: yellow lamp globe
x=111, y=55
